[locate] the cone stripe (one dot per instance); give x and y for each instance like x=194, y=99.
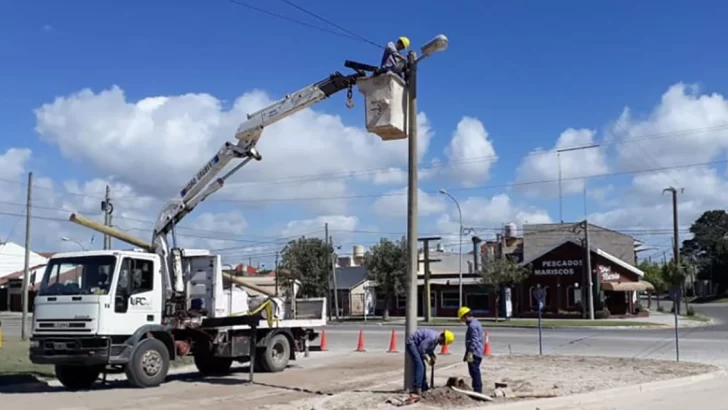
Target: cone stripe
x=360, y=344
x=393, y=343
x=324, y=343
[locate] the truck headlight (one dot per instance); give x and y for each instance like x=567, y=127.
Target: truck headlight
x=34, y=344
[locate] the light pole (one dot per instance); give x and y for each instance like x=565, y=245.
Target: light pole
x=558, y=158
x=438, y=43
x=460, y=251
x=67, y=239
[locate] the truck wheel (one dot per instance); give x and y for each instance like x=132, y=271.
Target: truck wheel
x=276, y=355
x=209, y=365
x=148, y=364
x=77, y=377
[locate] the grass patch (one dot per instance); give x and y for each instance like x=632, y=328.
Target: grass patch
x=14, y=362
x=552, y=323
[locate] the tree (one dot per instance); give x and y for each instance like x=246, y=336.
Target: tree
x=386, y=264
x=653, y=274
x=708, y=249
x=499, y=273
x=309, y=261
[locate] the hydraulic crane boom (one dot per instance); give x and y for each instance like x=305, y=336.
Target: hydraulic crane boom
x=205, y=182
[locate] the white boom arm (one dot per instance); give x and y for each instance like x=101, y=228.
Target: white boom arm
x=206, y=183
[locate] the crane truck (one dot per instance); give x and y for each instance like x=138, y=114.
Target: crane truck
x=134, y=311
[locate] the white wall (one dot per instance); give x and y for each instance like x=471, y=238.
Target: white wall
x=12, y=258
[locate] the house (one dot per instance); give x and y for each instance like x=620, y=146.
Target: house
x=352, y=287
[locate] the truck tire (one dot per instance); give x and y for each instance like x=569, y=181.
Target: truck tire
x=76, y=378
x=209, y=365
x=276, y=355
x=148, y=364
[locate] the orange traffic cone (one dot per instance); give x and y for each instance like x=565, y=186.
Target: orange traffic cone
x=486, y=347
x=324, y=343
x=445, y=350
x=393, y=343
x=360, y=344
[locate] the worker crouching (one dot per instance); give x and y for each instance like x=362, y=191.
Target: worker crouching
x=421, y=347
x=473, y=347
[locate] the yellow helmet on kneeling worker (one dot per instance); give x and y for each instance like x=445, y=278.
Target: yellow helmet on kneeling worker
x=448, y=337
x=404, y=41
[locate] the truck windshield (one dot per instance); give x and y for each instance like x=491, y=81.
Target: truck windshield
x=86, y=275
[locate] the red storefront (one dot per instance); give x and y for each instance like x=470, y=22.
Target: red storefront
x=560, y=271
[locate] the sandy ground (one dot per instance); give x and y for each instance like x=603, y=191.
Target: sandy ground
x=560, y=375
x=353, y=381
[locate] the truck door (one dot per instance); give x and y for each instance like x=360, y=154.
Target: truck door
x=137, y=297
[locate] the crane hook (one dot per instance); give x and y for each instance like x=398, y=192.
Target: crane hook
x=349, y=99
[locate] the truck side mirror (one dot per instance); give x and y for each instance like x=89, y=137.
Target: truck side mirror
x=121, y=304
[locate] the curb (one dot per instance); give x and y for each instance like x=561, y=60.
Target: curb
x=601, y=396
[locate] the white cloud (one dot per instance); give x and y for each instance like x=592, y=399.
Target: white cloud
x=542, y=165
x=171, y=137
x=470, y=153
x=393, y=204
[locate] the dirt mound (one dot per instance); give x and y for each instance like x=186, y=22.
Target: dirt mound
x=445, y=396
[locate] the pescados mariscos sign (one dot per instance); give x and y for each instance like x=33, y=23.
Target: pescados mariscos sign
x=554, y=268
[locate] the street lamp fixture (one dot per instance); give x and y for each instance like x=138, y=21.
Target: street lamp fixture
x=437, y=44
x=67, y=239
x=460, y=247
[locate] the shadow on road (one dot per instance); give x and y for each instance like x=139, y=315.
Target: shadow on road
x=30, y=384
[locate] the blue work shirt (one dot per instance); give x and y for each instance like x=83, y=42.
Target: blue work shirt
x=388, y=58
x=425, y=340
x=474, y=338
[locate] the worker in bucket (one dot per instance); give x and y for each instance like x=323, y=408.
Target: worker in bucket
x=392, y=59
x=473, y=346
x=421, y=347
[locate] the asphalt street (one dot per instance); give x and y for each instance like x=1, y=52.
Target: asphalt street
x=705, y=344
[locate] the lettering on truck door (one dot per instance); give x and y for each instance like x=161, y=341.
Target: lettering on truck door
x=136, y=284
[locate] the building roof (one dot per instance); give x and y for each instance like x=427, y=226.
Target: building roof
x=595, y=250
x=350, y=277
x=449, y=263
x=12, y=258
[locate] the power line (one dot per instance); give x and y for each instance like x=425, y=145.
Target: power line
x=310, y=13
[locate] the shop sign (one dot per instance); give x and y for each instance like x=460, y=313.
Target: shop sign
x=558, y=268
x=607, y=275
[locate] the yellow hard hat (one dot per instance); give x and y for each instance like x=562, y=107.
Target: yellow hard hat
x=462, y=312
x=405, y=41
x=449, y=337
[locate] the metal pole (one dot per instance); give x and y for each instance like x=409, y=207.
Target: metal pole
x=460, y=259
x=676, y=302
x=589, y=273
x=333, y=273
x=26, y=271
x=561, y=204
x=413, y=259
x=330, y=282
x=107, y=216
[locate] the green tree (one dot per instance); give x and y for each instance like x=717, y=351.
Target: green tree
x=499, y=273
x=309, y=261
x=708, y=249
x=653, y=274
x=386, y=264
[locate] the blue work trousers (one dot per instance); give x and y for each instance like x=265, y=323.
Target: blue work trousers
x=474, y=370
x=419, y=370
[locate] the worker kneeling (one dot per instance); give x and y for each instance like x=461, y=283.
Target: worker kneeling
x=421, y=347
x=473, y=347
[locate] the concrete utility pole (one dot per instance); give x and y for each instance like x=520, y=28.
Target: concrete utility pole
x=26, y=271
x=460, y=247
x=675, y=237
x=476, y=254
x=277, y=278
x=426, y=260
x=590, y=274
x=439, y=43
x=108, y=209
x=333, y=275
x=558, y=158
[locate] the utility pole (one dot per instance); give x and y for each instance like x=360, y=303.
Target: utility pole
x=675, y=237
x=108, y=209
x=333, y=276
x=426, y=260
x=587, y=271
x=26, y=271
x=413, y=257
x=276, y=278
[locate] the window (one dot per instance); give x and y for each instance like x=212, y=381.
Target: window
x=478, y=302
x=85, y=275
x=136, y=276
x=573, y=296
x=450, y=300
x=401, y=302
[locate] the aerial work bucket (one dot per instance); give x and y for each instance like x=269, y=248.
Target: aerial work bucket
x=384, y=97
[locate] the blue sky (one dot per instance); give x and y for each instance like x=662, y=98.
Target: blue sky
x=526, y=70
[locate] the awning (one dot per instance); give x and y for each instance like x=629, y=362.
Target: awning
x=628, y=286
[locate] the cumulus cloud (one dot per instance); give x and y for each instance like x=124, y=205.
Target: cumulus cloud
x=393, y=204
x=470, y=153
x=543, y=165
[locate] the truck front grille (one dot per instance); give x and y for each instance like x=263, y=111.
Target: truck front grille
x=50, y=326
